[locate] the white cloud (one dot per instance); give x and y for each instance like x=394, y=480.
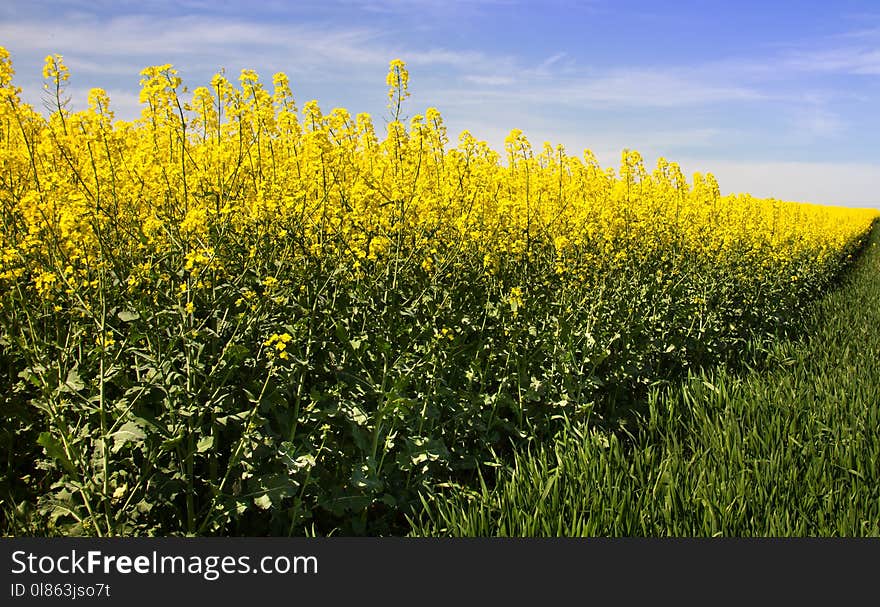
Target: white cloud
x=493, y=80
x=129, y=43
x=859, y=61
x=143, y=36
x=622, y=88
x=815, y=122
x=430, y=6
x=467, y=60
x=641, y=87
x=845, y=184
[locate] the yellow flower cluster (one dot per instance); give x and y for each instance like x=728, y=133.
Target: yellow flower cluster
x=241, y=164
x=277, y=344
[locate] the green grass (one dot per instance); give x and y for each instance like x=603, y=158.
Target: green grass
x=789, y=446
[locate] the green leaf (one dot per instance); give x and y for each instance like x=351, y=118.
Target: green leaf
x=55, y=450
x=548, y=486
x=129, y=432
x=128, y=315
x=33, y=375
x=205, y=444
x=236, y=353
x=171, y=443
x=234, y=417
x=73, y=383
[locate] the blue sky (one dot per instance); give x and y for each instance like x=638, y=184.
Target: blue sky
x=776, y=98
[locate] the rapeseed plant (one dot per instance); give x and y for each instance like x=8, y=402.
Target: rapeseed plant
x=143, y=263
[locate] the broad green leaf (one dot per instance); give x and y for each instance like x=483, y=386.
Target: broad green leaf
x=128, y=315
x=73, y=382
x=55, y=450
x=129, y=432
x=234, y=417
x=205, y=444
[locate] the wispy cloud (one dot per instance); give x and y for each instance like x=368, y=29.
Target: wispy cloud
x=868, y=32
x=492, y=80
x=853, y=60
x=129, y=43
x=143, y=36
x=816, y=122
x=430, y=6
x=816, y=182
x=652, y=88
x=621, y=88
x=853, y=51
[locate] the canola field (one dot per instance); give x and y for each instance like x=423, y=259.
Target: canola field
x=235, y=316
